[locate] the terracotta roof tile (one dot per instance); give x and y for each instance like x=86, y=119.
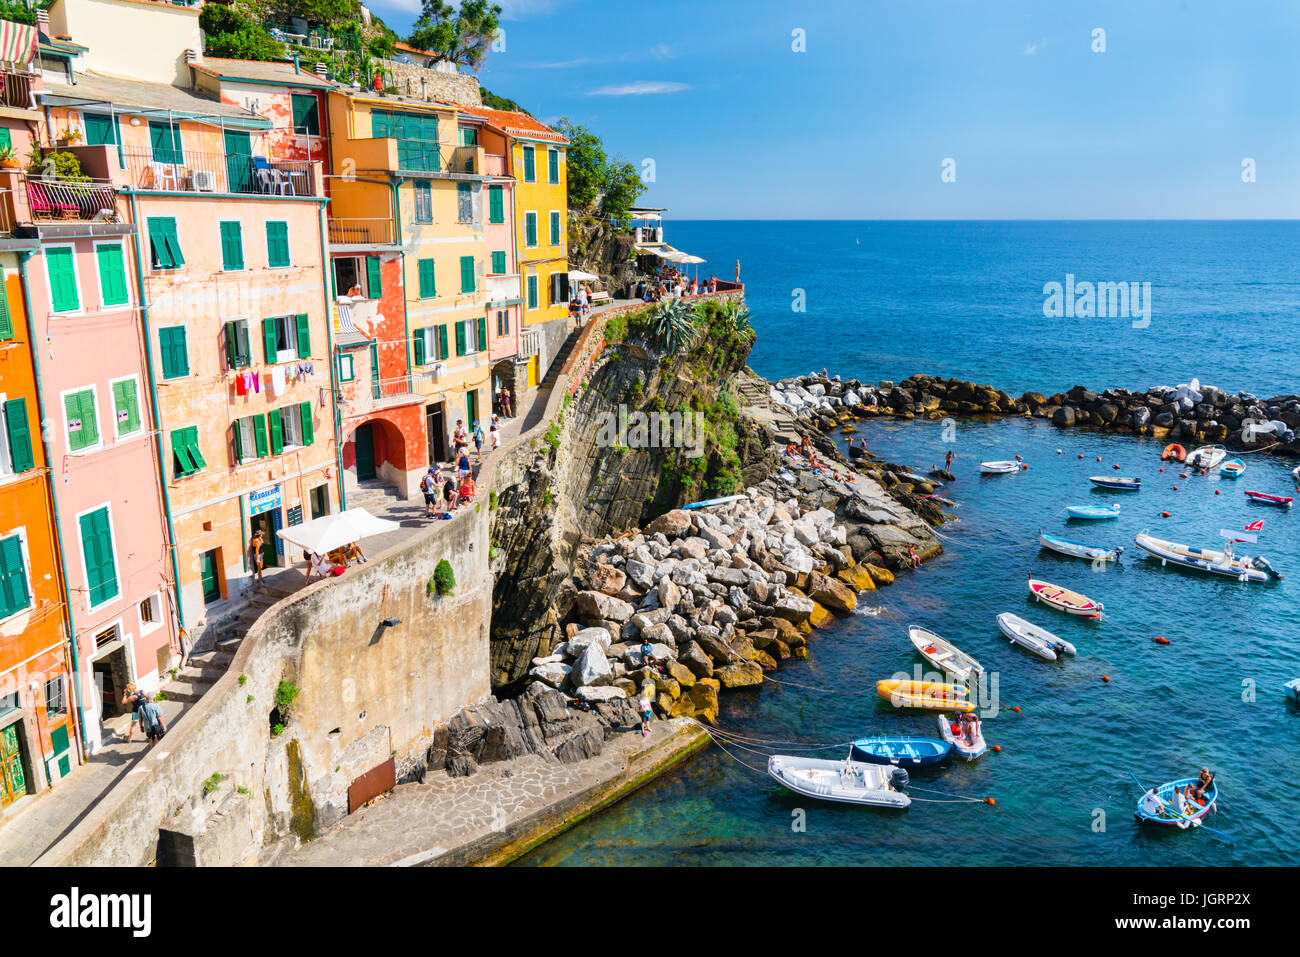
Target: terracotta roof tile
x=515, y=123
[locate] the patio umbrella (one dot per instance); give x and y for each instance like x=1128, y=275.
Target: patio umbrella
x=577, y=275
x=329, y=532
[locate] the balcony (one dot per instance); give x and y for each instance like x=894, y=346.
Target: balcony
x=503, y=289
x=418, y=158
x=58, y=207
x=367, y=232
x=494, y=164
x=193, y=172
x=18, y=89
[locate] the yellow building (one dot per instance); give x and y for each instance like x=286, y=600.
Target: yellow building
x=417, y=158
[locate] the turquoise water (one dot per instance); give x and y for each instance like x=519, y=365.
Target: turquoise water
x=1167, y=710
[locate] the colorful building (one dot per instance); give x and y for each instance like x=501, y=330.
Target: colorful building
x=505, y=298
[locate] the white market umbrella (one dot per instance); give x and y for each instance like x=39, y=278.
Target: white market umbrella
x=577, y=275
x=321, y=536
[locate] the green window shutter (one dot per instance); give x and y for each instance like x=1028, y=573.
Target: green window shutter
x=181, y=463
x=100, y=129
x=80, y=407
x=417, y=344
x=460, y=338
x=304, y=335
x=196, y=456
x=238, y=440
x=466, y=273
x=126, y=399
x=232, y=347
x=175, y=360
x=277, y=431
x=482, y=333
x=268, y=339
x=374, y=288
x=496, y=204
x=162, y=241
x=20, y=434
x=62, y=266
x=89, y=419
x=277, y=244
x=553, y=165
x=306, y=117
x=555, y=229
x=97, y=545
x=14, y=576
x=428, y=286
x=308, y=436
x=442, y=341
x=6, y=321
x=530, y=165
x=5, y=138
x=112, y=274
x=259, y=435
x=232, y=247
x=530, y=229
x=499, y=263
x=532, y=292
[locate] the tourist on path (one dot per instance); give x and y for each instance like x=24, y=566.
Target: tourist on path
x=478, y=442
x=134, y=697
x=431, y=485
x=449, y=493
x=643, y=704
x=151, y=722
x=467, y=489
x=495, y=429
x=459, y=438
x=505, y=403
x=462, y=463
x=255, y=553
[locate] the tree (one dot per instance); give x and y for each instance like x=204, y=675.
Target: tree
x=594, y=178
x=462, y=37
x=228, y=33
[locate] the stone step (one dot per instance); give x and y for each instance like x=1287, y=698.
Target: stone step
x=198, y=675
x=184, y=691
x=220, y=660
x=230, y=644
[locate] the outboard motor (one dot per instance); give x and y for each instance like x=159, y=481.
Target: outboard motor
x=1263, y=565
x=1059, y=648
x=898, y=778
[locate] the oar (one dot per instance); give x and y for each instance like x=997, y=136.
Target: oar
x=1179, y=817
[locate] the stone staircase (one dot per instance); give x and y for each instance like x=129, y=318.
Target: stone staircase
x=561, y=357
x=374, y=497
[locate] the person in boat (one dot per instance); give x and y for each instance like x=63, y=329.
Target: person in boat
x=1180, y=801
x=970, y=728
x=1152, y=803
x=1201, y=788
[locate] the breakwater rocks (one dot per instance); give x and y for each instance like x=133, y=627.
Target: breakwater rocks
x=722, y=596
x=1188, y=413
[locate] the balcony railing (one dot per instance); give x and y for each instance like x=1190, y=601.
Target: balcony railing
x=50, y=200
x=6, y=211
x=381, y=389
x=17, y=90
x=194, y=172
x=361, y=232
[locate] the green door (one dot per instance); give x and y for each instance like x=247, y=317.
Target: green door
x=208, y=573
x=13, y=783
x=239, y=161
x=364, y=441
x=471, y=407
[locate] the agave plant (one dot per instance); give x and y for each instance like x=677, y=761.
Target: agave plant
x=674, y=325
x=735, y=317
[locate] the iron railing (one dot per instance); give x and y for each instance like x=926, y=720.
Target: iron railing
x=17, y=90
x=195, y=172
x=361, y=232
x=55, y=200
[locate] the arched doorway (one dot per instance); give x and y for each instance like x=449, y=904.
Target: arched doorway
x=375, y=458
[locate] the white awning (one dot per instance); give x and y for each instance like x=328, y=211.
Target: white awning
x=670, y=254
x=577, y=275
x=329, y=532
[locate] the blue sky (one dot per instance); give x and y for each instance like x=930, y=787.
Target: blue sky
x=740, y=126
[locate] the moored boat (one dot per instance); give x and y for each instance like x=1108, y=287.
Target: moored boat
x=999, y=468
x=1232, y=468
x=1034, y=638
x=1116, y=483
x=954, y=733
x=1168, y=815
x=1090, y=553
x=1277, y=501
x=1093, y=512
x=944, y=655
x=1063, y=599
x=1244, y=568
x=1207, y=457
x=1173, y=451
x=1292, y=689
x=710, y=502
x=931, y=695
x=849, y=782
x=903, y=752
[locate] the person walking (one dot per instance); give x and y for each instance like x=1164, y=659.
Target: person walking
x=462, y=463
x=134, y=697
x=478, y=442
x=431, y=486
x=495, y=429
x=151, y=721
x=255, y=553
x=505, y=403
x=643, y=705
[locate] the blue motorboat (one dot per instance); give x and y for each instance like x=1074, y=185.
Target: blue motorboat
x=901, y=752
x=1093, y=511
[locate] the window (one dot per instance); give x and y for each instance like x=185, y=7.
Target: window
x=530, y=230
x=61, y=267
x=164, y=247
x=496, y=204
x=112, y=274
x=5, y=138
x=17, y=455
x=423, y=201
x=238, y=353
x=555, y=227
x=553, y=166
x=559, y=288
x=56, y=705
x=186, y=456
x=151, y=612
x=97, y=554
x=503, y=323
x=499, y=263
x=464, y=203
x=165, y=140
x=126, y=406
x=468, y=136
x=249, y=435
x=471, y=336
x=530, y=165
x=466, y=273
x=374, y=288
x=306, y=114
x=100, y=129
x=232, y=246
x=14, y=595
x=82, y=419
x=532, y=292
x=430, y=344
x=277, y=244
x=286, y=338
x=428, y=286
x=175, y=360
x=347, y=367
x=416, y=135
x=290, y=427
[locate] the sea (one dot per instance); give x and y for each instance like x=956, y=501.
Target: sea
x=1076, y=739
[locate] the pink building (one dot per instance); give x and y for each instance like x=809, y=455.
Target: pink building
x=505, y=296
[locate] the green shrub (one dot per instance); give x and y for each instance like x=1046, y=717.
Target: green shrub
x=492, y=500
x=444, y=578
x=286, y=694
x=277, y=729
x=243, y=680
x=212, y=783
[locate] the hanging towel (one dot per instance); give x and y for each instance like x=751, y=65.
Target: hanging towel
x=278, y=381
x=241, y=387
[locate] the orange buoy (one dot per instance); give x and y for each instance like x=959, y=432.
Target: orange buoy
x=1217, y=492
x=1164, y=515
x=1175, y=488
x=1162, y=469
x=1025, y=466
x=997, y=747
x=990, y=802
x=1099, y=458
x=1105, y=678
x=1115, y=466
x=1182, y=475
x=1080, y=455
x=1160, y=640
x=1016, y=708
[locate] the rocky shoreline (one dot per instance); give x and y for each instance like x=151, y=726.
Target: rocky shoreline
x=1186, y=413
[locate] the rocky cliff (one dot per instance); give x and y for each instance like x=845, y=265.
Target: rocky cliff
x=598, y=247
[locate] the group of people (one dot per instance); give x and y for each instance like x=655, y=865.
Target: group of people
x=659, y=288
x=1186, y=800
x=335, y=562
x=455, y=486
x=145, y=714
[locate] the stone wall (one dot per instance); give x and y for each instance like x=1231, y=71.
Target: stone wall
x=411, y=80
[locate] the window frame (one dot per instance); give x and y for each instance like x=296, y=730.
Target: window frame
x=351, y=367
x=555, y=228
x=532, y=293
x=139, y=408
x=163, y=354
x=155, y=600
x=67, y=423
x=202, y=463
x=422, y=189
x=107, y=507
x=19, y=533
x=528, y=152
x=314, y=112
x=99, y=273
x=239, y=231
x=171, y=232
x=76, y=279
x=530, y=215
x=552, y=160
x=288, y=247
x=62, y=712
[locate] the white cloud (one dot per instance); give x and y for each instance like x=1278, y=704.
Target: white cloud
x=661, y=51
x=639, y=88
x=1032, y=48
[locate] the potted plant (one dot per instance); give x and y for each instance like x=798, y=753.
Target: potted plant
x=8, y=157
x=70, y=137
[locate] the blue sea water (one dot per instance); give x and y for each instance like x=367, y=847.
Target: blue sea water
x=885, y=300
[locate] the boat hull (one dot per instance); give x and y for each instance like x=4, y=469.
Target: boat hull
x=999, y=468
x=960, y=747
x=1198, y=559
x=1032, y=638
x=1117, y=484
x=925, y=695
x=1207, y=457
x=1263, y=498
x=1091, y=553
x=846, y=782
x=1194, y=812
x=944, y=655
x=1092, y=513
x=901, y=752
x=1063, y=599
